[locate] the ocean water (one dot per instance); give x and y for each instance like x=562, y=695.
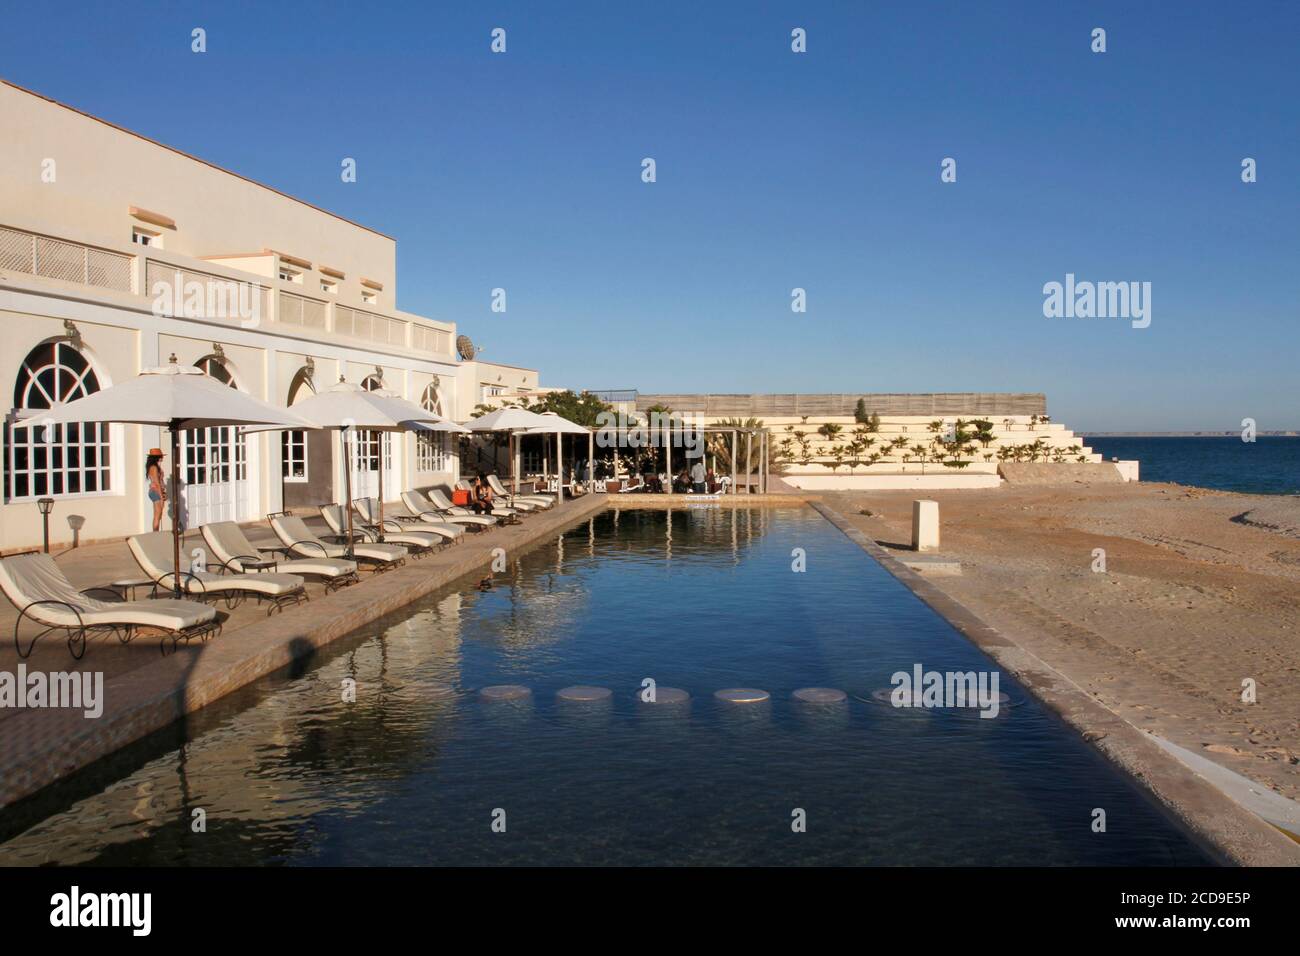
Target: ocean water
x=1266, y=466
x=417, y=768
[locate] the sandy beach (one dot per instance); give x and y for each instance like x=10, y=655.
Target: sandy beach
x=1199, y=593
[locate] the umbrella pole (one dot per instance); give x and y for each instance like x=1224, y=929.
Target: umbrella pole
x=174, y=427
x=347, y=485
x=379, y=532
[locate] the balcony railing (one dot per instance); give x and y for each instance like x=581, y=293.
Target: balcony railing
x=302, y=312
x=37, y=255
x=222, y=297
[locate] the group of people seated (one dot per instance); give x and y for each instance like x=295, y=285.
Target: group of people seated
x=695, y=478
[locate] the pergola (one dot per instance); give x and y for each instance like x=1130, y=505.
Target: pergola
x=756, y=450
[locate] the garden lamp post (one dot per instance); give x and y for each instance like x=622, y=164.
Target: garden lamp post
x=46, y=505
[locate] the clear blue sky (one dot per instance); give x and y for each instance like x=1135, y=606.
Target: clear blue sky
x=775, y=170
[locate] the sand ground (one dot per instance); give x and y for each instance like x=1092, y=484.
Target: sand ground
x=1192, y=602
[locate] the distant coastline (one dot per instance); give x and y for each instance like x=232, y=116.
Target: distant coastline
x=1224, y=434
x=1268, y=466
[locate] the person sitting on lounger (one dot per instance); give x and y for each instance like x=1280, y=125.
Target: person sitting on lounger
x=481, y=496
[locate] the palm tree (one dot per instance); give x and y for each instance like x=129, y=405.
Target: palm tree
x=830, y=430
x=855, y=449
x=919, y=452
x=777, y=453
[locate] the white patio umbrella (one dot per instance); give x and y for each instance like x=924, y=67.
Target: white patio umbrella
x=509, y=420
x=346, y=406
x=177, y=397
x=559, y=426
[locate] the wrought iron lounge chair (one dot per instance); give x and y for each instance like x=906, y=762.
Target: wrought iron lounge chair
x=300, y=540
x=417, y=544
x=422, y=509
x=230, y=546
x=41, y=592
x=440, y=501
x=542, y=500
x=368, y=510
x=519, y=503
x=153, y=552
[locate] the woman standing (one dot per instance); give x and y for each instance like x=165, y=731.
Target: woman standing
x=153, y=473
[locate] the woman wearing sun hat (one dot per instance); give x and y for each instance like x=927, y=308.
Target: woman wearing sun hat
x=157, y=484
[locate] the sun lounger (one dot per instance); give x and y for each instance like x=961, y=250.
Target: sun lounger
x=300, y=540
x=545, y=501
x=422, y=509
x=394, y=530
x=153, y=552
x=230, y=546
x=439, y=501
x=41, y=592
x=419, y=543
x=519, y=503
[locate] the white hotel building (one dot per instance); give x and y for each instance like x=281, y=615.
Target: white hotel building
x=92, y=218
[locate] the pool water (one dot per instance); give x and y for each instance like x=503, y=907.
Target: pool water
x=418, y=769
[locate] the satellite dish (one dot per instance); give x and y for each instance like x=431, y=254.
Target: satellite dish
x=465, y=346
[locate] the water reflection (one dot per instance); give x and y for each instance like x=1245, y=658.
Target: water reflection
x=383, y=753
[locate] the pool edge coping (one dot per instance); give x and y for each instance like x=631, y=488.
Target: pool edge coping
x=1228, y=831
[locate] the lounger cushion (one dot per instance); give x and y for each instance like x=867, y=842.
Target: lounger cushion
x=379, y=552
x=420, y=506
x=27, y=578
x=153, y=552
x=293, y=531
x=227, y=541
x=442, y=504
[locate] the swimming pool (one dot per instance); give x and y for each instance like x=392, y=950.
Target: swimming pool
x=418, y=768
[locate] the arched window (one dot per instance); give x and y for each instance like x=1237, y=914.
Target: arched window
x=214, y=455
x=60, y=459
x=370, y=443
x=293, y=441
x=432, y=449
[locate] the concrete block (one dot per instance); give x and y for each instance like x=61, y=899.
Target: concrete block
x=1128, y=470
x=925, y=525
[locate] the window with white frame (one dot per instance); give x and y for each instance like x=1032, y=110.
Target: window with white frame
x=368, y=297
x=432, y=449
x=146, y=237
x=290, y=275
x=56, y=460
x=293, y=446
x=329, y=286
x=293, y=442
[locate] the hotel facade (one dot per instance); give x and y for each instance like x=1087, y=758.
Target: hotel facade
x=118, y=253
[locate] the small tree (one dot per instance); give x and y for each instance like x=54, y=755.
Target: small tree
x=860, y=412
x=830, y=430
x=837, y=457
x=874, y=422
x=855, y=449
x=920, y=452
